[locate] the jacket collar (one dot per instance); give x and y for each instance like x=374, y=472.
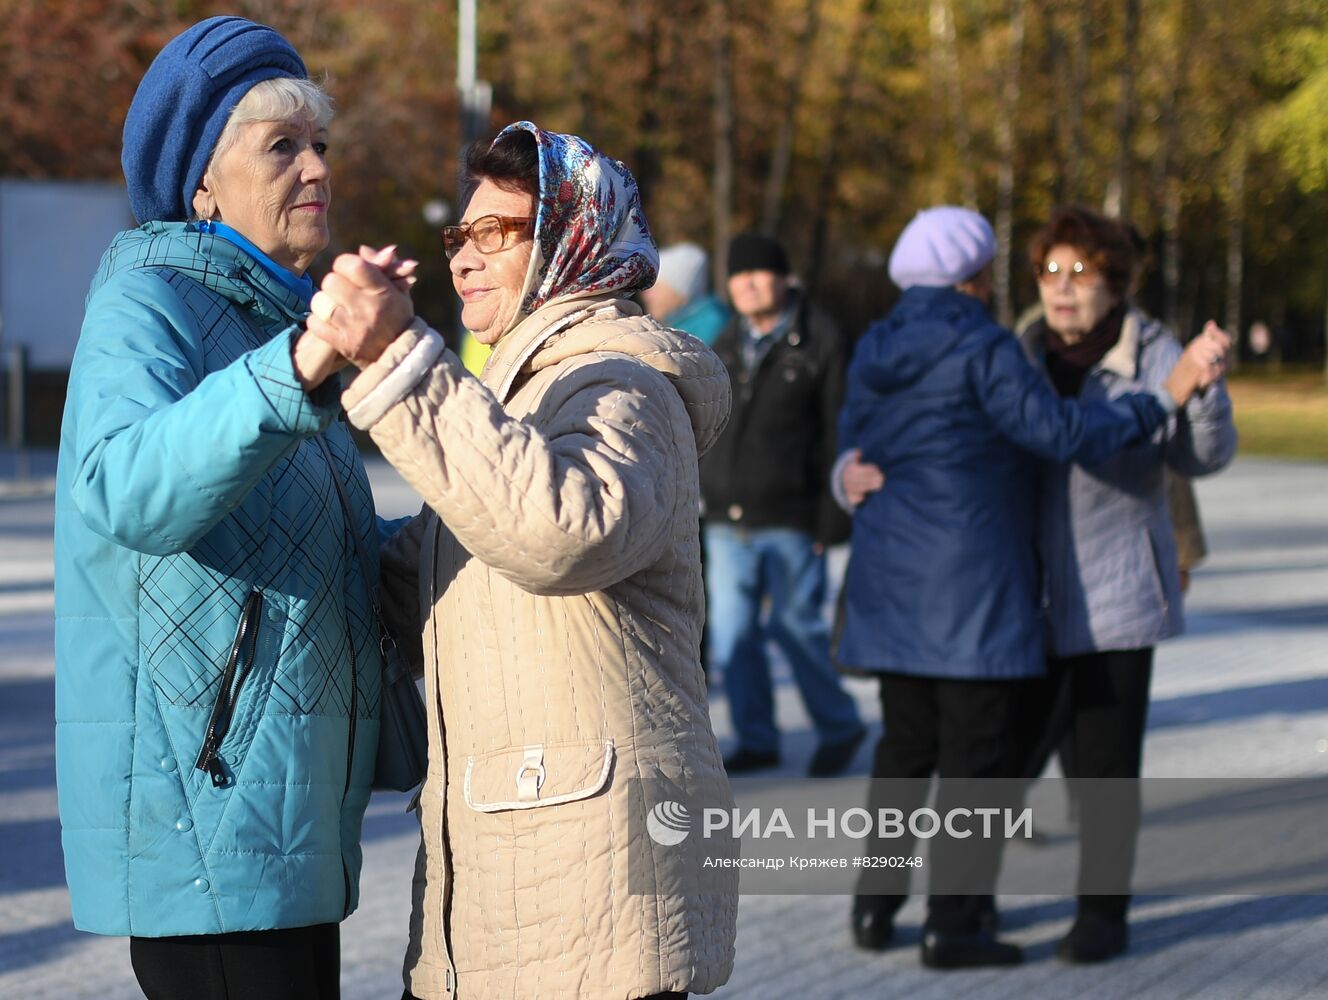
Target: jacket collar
x=1123, y=358
x=515, y=349
x=224, y=267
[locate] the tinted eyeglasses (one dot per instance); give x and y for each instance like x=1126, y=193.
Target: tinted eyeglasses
x=490, y=233
x=1078, y=272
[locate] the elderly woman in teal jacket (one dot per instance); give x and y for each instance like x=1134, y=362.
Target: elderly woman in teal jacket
x=217, y=665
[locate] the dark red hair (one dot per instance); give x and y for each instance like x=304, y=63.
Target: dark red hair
x=1106, y=244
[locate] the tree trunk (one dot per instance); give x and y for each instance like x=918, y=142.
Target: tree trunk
x=829, y=173
x=722, y=179
x=1071, y=122
x=645, y=32
x=1117, y=201
x=946, y=50
x=1171, y=256
x=1167, y=181
x=1235, y=247
x=1005, y=171
x=782, y=156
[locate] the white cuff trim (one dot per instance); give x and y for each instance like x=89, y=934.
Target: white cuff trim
x=399, y=382
x=837, y=482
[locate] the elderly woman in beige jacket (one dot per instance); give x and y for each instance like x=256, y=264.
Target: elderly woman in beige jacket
x=565, y=601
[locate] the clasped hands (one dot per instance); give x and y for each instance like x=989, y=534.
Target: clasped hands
x=363, y=305
x=1202, y=363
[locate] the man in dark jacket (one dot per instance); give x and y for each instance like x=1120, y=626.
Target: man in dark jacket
x=769, y=512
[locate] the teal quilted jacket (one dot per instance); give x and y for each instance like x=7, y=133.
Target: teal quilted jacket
x=217, y=673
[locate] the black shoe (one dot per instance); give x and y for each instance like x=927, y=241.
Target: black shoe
x=1094, y=939
x=989, y=920
x=967, y=951
x=742, y=760
x=873, y=925
x=832, y=759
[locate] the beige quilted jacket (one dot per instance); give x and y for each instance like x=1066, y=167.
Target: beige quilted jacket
x=561, y=651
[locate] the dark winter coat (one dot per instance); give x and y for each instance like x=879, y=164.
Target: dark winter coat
x=770, y=467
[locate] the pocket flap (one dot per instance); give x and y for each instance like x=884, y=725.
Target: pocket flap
x=539, y=774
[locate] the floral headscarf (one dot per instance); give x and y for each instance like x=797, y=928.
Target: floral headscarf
x=591, y=235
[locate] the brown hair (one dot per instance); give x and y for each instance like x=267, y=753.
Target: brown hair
x=1106, y=244
x=511, y=162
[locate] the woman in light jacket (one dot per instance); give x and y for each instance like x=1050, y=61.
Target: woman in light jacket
x=1108, y=550
x=217, y=666
x=564, y=592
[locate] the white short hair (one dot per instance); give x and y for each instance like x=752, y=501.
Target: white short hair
x=276, y=100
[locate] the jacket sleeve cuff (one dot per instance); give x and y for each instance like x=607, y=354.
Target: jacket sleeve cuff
x=1168, y=404
x=837, y=482
x=295, y=411
x=393, y=376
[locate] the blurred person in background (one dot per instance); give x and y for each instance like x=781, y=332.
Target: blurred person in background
x=941, y=594
x=217, y=658
x=679, y=300
x=1183, y=505
x=679, y=297
x=1108, y=545
x=564, y=587
x=1191, y=546
x=769, y=512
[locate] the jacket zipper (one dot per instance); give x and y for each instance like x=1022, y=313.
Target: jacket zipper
x=446, y=915
x=350, y=751
x=232, y=680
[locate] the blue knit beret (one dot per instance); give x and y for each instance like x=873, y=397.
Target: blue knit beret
x=182, y=105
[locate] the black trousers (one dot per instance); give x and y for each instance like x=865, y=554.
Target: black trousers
x=956, y=730
x=299, y=963
x=1097, y=711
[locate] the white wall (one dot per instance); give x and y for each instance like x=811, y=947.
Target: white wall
x=52, y=236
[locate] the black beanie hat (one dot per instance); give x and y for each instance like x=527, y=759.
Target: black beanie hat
x=755, y=252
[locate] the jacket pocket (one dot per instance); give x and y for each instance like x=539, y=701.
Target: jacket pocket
x=239, y=664
x=539, y=774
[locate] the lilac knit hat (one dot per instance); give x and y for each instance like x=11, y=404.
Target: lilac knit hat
x=942, y=246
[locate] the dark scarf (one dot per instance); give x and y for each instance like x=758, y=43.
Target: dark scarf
x=1068, y=364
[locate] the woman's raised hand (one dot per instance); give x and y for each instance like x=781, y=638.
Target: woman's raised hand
x=1202, y=363
x=402, y=272
x=1211, y=348
x=364, y=303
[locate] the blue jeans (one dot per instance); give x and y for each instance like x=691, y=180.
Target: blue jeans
x=742, y=567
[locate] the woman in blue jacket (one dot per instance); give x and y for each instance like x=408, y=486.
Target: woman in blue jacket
x=940, y=596
x=217, y=665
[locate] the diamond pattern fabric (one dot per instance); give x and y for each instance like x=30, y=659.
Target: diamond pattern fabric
x=188, y=480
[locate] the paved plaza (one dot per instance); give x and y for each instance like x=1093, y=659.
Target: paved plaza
x=1244, y=694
